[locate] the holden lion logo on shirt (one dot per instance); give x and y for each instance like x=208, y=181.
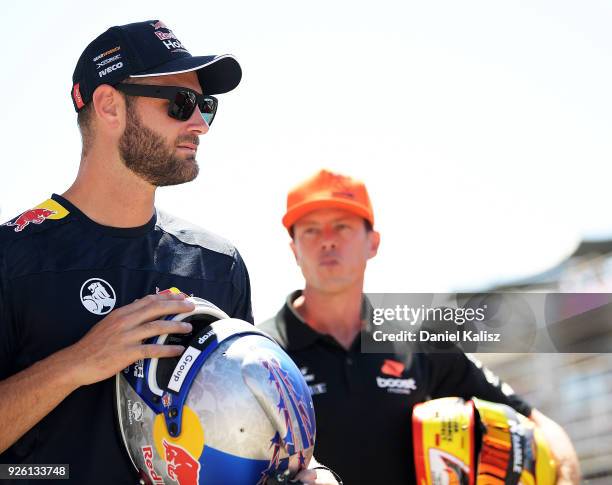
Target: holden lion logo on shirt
x=98, y=296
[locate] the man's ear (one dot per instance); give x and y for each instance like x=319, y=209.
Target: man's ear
x=109, y=106
x=294, y=250
x=374, y=242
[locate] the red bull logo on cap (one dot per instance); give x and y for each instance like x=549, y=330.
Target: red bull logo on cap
x=159, y=25
x=49, y=209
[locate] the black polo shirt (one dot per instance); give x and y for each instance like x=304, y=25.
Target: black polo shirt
x=363, y=402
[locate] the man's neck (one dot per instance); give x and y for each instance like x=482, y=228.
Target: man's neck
x=110, y=194
x=335, y=314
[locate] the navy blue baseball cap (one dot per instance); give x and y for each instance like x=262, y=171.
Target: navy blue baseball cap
x=146, y=49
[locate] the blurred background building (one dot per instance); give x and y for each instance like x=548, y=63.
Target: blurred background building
x=572, y=389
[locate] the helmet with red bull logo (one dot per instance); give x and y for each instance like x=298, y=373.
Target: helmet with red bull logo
x=232, y=409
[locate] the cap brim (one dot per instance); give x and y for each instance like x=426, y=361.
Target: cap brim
x=297, y=212
x=217, y=74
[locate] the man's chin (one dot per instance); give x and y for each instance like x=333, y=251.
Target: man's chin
x=188, y=165
x=187, y=173
x=332, y=286
x=194, y=169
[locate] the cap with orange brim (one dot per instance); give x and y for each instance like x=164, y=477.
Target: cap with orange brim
x=328, y=190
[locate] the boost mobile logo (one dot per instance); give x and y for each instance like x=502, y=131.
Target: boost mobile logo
x=407, y=384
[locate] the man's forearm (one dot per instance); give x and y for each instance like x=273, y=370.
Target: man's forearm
x=568, y=467
x=111, y=345
x=28, y=396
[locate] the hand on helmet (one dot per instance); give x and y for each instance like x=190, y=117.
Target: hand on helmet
x=316, y=477
x=116, y=342
x=317, y=474
x=307, y=477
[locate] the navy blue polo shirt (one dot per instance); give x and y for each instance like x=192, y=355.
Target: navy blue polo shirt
x=60, y=274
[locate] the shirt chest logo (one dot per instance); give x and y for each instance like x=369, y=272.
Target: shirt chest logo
x=49, y=209
x=398, y=386
x=395, y=384
x=315, y=388
x=98, y=296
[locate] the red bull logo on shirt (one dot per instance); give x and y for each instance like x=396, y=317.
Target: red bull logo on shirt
x=49, y=209
x=34, y=216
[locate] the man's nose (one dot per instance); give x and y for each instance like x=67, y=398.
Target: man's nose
x=197, y=125
x=328, y=238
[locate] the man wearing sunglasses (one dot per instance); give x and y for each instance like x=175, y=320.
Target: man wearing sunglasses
x=92, y=255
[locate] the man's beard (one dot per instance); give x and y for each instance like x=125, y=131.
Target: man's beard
x=146, y=154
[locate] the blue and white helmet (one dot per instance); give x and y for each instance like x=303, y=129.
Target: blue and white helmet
x=232, y=409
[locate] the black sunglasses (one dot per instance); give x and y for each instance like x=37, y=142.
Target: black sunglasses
x=183, y=101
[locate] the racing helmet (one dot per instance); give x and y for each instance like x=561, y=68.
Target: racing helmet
x=463, y=443
x=232, y=409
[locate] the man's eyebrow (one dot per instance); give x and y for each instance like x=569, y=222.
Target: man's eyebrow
x=332, y=221
x=306, y=222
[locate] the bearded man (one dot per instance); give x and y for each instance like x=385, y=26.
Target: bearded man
x=98, y=257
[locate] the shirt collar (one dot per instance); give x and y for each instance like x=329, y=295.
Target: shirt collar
x=299, y=335
x=297, y=332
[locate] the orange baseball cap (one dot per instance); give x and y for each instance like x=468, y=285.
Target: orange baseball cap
x=328, y=190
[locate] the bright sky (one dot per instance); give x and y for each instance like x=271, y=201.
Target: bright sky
x=481, y=128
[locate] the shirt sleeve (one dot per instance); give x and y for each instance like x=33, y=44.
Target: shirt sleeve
x=241, y=307
x=462, y=375
x=7, y=334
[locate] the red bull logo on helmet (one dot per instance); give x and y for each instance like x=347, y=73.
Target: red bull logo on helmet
x=181, y=454
x=49, y=209
x=181, y=467
x=147, y=454
x=171, y=291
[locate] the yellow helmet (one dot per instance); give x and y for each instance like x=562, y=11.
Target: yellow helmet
x=478, y=442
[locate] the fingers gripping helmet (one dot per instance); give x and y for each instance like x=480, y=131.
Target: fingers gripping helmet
x=232, y=409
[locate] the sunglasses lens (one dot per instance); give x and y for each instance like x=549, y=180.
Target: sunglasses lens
x=208, y=108
x=183, y=105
